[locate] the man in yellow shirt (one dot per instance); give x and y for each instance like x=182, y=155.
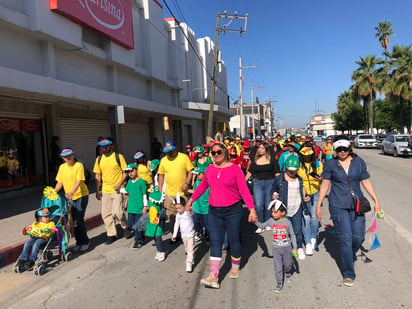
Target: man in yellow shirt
x=108, y=168
x=71, y=177
x=177, y=168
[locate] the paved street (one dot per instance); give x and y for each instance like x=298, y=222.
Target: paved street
x=118, y=276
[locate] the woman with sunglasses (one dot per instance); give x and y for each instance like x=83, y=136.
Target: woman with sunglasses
x=264, y=168
x=228, y=188
x=328, y=148
x=343, y=175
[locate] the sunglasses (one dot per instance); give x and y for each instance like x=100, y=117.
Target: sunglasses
x=340, y=149
x=219, y=152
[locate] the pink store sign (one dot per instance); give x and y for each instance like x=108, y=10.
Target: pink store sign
x=112, y=18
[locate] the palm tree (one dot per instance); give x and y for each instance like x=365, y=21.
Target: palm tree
x=383, y=31
x=399, y=82
x=367, y=79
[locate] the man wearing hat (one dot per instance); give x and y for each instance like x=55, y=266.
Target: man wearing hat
x=71, y=177
x=109, y=169
x=177, y=168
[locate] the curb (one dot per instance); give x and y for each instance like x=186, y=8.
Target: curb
x=10, y=254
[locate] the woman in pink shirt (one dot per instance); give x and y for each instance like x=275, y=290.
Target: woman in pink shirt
x=227, y=190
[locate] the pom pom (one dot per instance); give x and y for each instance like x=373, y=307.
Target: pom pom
x=50, y=193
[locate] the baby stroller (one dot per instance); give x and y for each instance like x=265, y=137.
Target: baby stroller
x=60, y=214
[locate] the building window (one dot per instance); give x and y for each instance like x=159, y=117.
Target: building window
x=93, y=38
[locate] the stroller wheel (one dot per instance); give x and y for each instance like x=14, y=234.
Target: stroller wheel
x=48, y=255
x=68, y=256
x=40, y=270
x=18, y=268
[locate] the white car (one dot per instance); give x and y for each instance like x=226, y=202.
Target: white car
x=396, y=144
x=365, y=141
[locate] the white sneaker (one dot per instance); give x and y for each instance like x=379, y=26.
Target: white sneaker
x=268, y=228
x=157, y=256
x=162, y=256
x=313, y=243
x=309, y=250
x=259, y=231
x=189, y=266
x=301, y=254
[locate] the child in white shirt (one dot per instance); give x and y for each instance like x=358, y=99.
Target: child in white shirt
x=184, y=221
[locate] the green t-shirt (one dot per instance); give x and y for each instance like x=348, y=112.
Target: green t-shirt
x=136, y=190
x=201, y=205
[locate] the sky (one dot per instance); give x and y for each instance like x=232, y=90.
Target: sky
x=305, y=51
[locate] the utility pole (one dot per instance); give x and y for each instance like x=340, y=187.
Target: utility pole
x=215, y=54
x=253, y=109
x=241, y=93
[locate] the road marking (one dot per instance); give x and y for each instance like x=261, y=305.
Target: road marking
x=399, y=228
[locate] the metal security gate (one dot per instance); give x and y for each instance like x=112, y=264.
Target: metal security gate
x=135, y=136
x=81, y=135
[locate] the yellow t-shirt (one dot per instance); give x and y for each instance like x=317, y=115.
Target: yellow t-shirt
x=310, y=183
x=68, y=175
x=111, y=171
x=328, y=148
x=3, y=161
x=144, y=172
x=175, y=173
x=12, y=164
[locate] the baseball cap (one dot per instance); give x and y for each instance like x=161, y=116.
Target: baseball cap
x=246, y=144
x=66, y=152
x=306, y=151
x=130, y=167
x=199, y=149
x=155, y=163
x=188, y=146
x=138, y=155
x=169, y=146
x=292, y=163
x=43, y=212
x=105, y=142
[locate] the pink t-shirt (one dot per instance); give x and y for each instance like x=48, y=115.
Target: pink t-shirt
x=227, y=186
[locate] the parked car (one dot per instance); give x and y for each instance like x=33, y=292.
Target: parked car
x=319, y=138
x=365, y=141
x=397, y=145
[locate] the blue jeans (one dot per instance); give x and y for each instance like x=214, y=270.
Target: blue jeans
x=197, y=218
x=78, y=210
x=262, y=193
x=227, y=219
x=296, y=221
x=34, y=244
x=132, y=222
x=310, y=221
x=350, y=230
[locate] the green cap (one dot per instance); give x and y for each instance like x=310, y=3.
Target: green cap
x=154, y=164
x=130, y=167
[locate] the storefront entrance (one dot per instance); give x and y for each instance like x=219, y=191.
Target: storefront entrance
x=21, y=153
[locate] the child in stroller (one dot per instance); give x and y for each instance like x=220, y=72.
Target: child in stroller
x=40, y=232
x=52, y=223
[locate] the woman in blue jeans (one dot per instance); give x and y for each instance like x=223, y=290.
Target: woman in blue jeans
x=344, y=174
x=264, y=168
x=310, y=170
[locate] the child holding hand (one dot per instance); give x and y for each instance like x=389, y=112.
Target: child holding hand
x=283, y=241
x=184, y=222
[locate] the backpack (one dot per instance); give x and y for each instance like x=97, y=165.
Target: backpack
x=87, y=174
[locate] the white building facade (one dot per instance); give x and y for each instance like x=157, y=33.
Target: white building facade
x=68, y=70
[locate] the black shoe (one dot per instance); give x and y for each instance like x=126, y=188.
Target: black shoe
x=29, y=264
x=128, y=233
x=21, y=263
x=110, y=240
x=137, y=245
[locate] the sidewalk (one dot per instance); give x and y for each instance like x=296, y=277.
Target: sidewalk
x=16, y=213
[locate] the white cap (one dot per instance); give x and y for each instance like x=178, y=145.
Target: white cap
x=341, y=143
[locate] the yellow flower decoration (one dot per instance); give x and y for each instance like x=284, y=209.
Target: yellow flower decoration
x=50, y=193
